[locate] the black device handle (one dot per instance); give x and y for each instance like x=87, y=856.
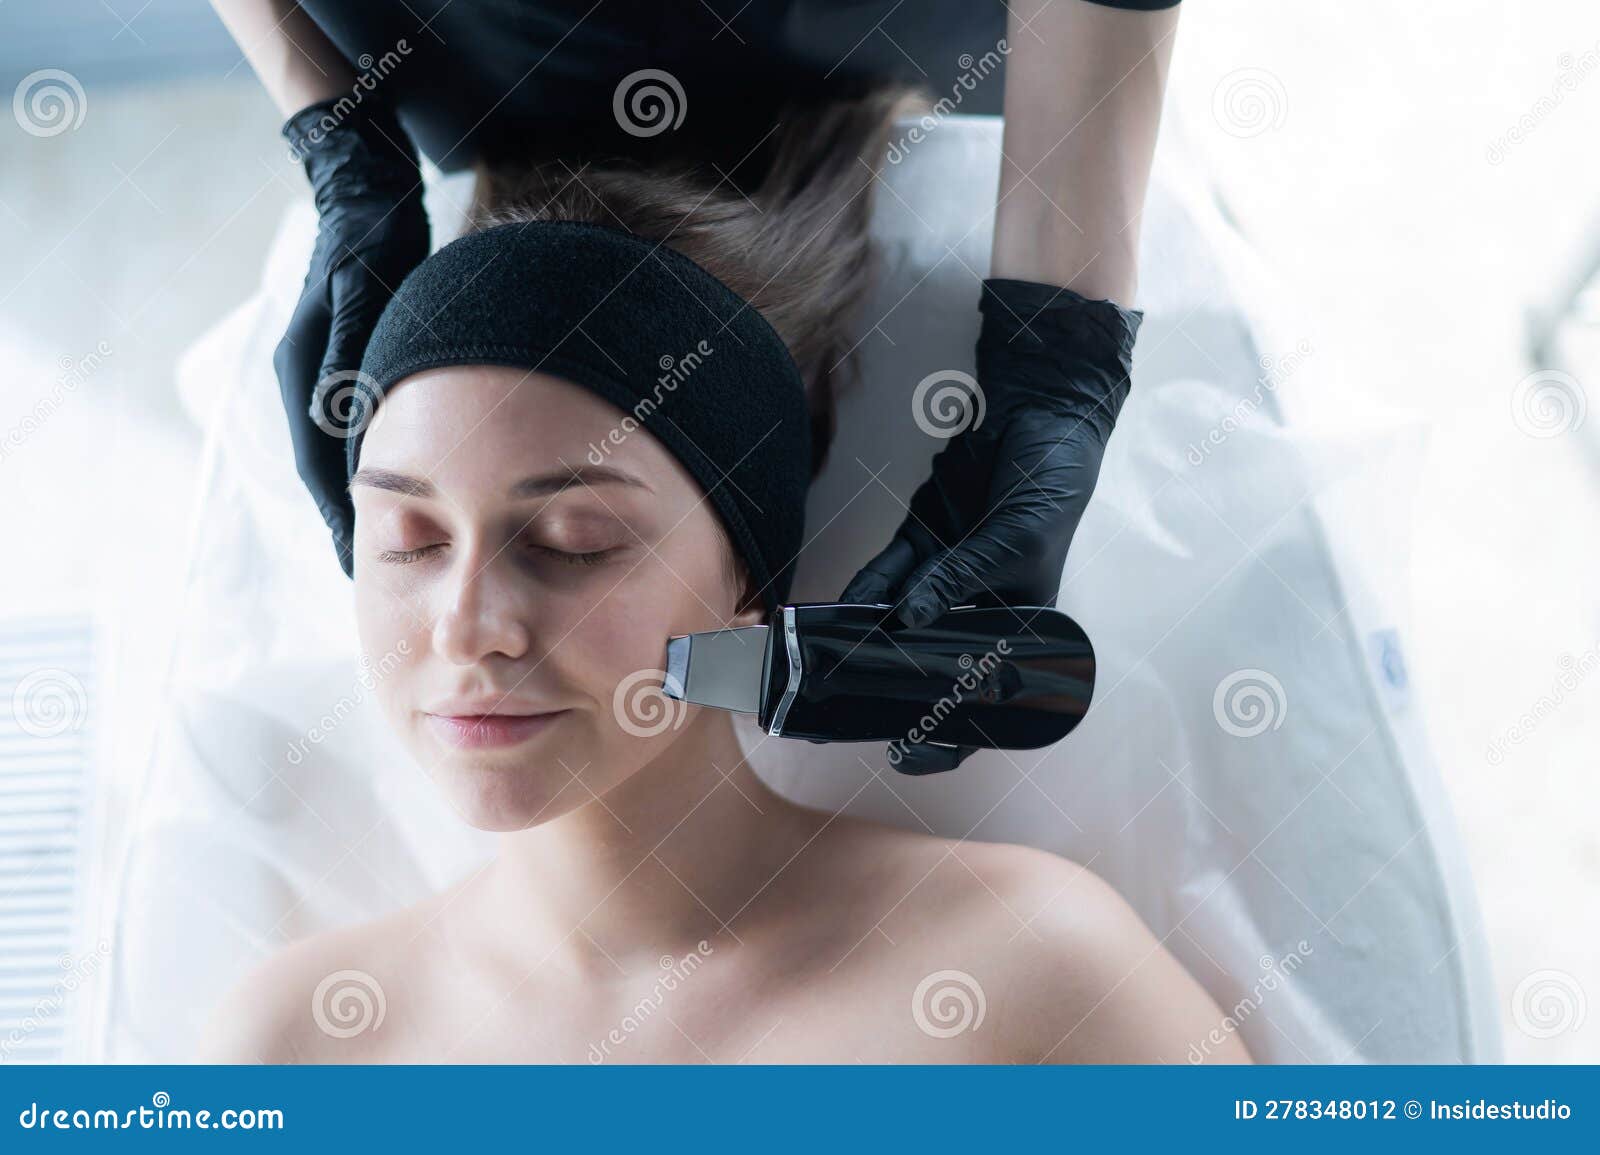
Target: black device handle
x=1013, y=678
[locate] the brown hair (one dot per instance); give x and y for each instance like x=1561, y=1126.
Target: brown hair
x=796, y=247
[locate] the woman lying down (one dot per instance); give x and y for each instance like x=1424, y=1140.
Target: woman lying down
x=539, y=506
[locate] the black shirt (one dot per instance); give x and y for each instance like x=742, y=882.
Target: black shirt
x=525, y=78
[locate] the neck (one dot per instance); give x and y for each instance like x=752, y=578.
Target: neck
x=671, y=856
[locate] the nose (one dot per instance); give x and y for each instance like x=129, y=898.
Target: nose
x=481, y=612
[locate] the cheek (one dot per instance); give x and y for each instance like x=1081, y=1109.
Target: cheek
x=696, y=550
x=619, y=647
x=680, y=588
x=625, y=632
x=380, y=622
x=391, y=641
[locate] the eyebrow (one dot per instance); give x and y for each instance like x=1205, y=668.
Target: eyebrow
x=534, y=486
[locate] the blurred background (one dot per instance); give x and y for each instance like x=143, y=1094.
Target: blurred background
x=1425, y=187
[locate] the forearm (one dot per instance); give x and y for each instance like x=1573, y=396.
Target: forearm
x=1084, y=85
x=296, y=63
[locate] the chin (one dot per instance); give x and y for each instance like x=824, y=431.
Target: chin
x=502, y=799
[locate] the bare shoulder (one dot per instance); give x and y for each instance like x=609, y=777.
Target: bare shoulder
x=320, y=1000
x=1062, y=968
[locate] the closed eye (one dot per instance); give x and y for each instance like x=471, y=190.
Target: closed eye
x=407, y=556
x=594, y=557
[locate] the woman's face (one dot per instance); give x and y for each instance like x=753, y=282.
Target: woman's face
x=519, y=596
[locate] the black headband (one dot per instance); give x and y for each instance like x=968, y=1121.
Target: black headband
x=645, y=328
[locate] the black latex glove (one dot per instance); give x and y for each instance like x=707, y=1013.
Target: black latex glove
x=372, y=232
x=993, y=523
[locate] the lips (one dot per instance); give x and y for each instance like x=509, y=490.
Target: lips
x=490, y=731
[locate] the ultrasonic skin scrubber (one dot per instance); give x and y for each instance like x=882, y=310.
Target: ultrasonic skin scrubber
x=1009, y=677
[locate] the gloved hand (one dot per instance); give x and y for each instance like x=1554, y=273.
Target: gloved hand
x=372, y=232
x=993, y=523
